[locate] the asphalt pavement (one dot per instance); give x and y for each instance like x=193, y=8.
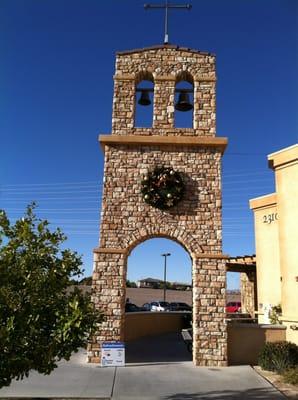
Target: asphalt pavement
x=156, y=368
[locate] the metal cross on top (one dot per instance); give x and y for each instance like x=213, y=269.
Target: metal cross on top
x=167, y=6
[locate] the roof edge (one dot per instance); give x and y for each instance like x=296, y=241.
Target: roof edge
x=268, y=200
x=165, y=46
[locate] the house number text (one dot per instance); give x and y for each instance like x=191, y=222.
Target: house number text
x=269, y=218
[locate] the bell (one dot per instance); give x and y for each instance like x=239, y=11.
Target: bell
x=144, y=100
x=183, y=103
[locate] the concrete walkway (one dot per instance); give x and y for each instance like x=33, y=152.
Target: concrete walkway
x=165, y=379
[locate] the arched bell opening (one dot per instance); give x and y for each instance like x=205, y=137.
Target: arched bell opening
x=159, y=274
x=144, y=100
x=184, y=101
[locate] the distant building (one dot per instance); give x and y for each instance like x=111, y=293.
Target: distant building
x=153, y=283
x=181, y=286
x=149, y=283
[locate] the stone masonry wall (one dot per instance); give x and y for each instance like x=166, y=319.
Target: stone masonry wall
x=109, y=298
x=209, y=301
x=125, y=214
x=126, y=220
x=167, y=65
x=248, y=290
x=195, y=222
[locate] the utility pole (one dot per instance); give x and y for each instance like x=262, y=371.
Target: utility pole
x=165, y=255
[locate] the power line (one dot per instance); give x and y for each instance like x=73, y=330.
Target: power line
x=96, y=183
x=233, y=195
x=236, y=218
x=100, y=188
x=234, y=204
x=54, y=183
x=244, y=174
x=225, y=202
x=54, y=200
x=16, y=191
x=243, y=234
x=81, y=233
x=58, y=209
x=245, y=154
x=62, y=221
x=246, y=181
x=61, y=212
x=237, y=189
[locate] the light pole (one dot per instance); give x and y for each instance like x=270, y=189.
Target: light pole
x=165, y=255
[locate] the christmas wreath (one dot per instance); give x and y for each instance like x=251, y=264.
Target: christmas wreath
x=162, y=188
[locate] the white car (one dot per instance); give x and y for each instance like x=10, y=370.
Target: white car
x=157, y=306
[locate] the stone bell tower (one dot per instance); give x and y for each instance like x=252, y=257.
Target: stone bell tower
x=130, y=153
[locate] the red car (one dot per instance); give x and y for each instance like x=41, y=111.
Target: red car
x=233, y=306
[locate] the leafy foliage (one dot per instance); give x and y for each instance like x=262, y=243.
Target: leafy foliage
x=40, y=321
x=278, y=356
x=291, y=376
x=130, y=284
x=163, y=188
x=274, y=314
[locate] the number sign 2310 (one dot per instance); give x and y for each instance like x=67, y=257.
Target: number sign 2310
x=269, y=218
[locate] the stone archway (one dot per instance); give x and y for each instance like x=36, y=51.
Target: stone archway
x=181, y=236
x=195, y=222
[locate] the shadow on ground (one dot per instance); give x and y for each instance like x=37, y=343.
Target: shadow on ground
x=155, y=349
x=257, y=394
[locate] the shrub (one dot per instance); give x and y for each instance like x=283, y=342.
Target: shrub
x=291, y=376
x=41, y=321
x=278, y=356
x=274, y=314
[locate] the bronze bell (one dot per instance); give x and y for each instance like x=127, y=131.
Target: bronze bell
x=144, y=100
x=183, y=103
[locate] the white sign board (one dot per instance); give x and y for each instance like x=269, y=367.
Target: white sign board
x=113, y=354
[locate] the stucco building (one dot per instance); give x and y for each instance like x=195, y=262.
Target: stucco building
x=276, y=237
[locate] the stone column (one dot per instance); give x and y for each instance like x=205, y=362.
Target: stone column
x=108, y=296
x=209, y=299
x=248, y=292
x=164, y=98
x=123, y=104
x=204, y=106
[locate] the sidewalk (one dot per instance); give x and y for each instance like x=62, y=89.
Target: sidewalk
x=159, y=380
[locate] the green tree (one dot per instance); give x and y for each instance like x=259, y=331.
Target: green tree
x=130, y=284
x=40, y=322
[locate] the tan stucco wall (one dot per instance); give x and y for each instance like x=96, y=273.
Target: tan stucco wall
x=277, y=242
x=285, y=164
x=292, y=329
x=267, y=251
x=246, y=340
x=142, y=324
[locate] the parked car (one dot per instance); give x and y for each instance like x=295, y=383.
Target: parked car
x=130, y=307
x=157, y=306
x=233, y=306
x=178, y=306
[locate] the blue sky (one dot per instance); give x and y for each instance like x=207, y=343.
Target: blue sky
x=57, y=64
